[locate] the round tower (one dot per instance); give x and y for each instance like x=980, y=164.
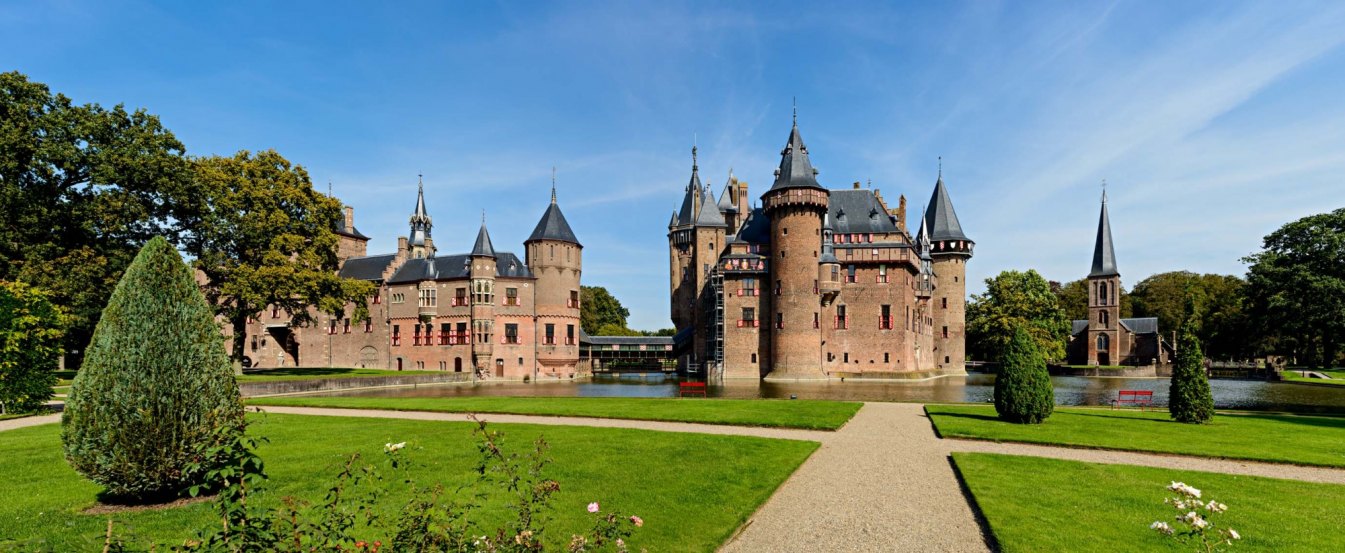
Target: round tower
x=555, y=257
x=796, y=205
x=950, y=250
x=482, y=290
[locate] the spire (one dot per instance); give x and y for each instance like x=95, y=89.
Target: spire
x=796, y=170
x=553, y=185
x=924, y=241
x=420, y=219
x=553, y=225
x=1104, y=254
x=673, y=222
x=828, y=247
x=709, y=215
x=687, y=214
x=940, y=216
x=483, y=247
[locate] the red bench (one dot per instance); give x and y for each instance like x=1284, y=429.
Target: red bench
x=1142, y=398
x=691, y=389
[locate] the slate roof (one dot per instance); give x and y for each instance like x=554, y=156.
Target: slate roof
x=940, y=216
x=483, y=247
x=687, y=214
x=553, y=226
x=1077, y=326
x=420, y=219
x=710, y=215
x=858, y=212
x=455, y=267
x=1141, y=325
x=350, y=231
x=1104, y=254
x=726, y=199
x=366, y=268
x=796, y=170
x=756, y=229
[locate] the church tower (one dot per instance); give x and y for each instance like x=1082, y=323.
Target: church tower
x=796, y=205
x=482, y=271
x=1104, y=297
x=556, y=258
x=950, y=250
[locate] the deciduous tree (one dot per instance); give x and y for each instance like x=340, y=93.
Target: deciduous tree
x=1296, y=286
x=1011, y=299
x=599, y=308
x=30, y=344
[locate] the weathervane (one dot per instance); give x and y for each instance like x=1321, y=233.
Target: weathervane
x=1104, y=191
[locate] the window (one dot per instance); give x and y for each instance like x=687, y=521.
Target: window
x=483, y=291
x=885, y=357
x=275, y=311
x=1102, y=294
x=368, y=326
x=511, y=333
x=550, y=334
x=445, y=329
x=396, y=335
x=778, y=287
x=835, y=273
x=511, y=296
x=461, y=335
x=569, y=335
x=443, y=366
x=885, y=320
x=945, y=332
x=378, y=298
x=814, y=286
x=1102, y=343
x=398, y=298
x=882, y=273
x=816, y=317
x=427, y=297
x=749, y=319
x=749, y=288
x=849, y=273
x=841, y=323
x=346, y=327
x=786, y=230
x=945, y=359
x=847, y=357
x=416, y=338
x=875, y=253
x=1104, y=319
x=331, y=327
x=779, y=320
x=945, y=302
x=754, y=358
x=574, y=299
x=459, y=297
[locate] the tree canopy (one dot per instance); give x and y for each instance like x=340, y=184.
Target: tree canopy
x=598, y=308
x=30, y=343
x=263, y=236
x=1016, y=298
x=1296, y=287
x=1213, y=304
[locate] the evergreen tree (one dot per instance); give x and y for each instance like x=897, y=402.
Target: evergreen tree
x=1023, y=391
x=30, y=342
x=1189, y=398
x=156, y=387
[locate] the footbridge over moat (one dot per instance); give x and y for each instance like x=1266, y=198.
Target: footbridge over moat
x=612, y=354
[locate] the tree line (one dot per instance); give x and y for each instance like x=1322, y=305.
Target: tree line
x=1291, y=302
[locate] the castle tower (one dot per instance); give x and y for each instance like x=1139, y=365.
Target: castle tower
x=710, y=235
x=556, y=258
x=1104, y=297
x=796, y=205
x=682, y=252
x=482, y=289
x=420, y=244
x=950, y=250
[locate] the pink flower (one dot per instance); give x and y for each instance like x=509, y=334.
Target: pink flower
x=593, y=507
x=637, y=520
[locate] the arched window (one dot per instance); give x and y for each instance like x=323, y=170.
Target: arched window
x=1104, y=318
x=1103, y=343
x=1102, y=294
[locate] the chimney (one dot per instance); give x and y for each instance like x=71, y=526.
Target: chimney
x=901, y=213
x=401, y=243
x=856, y=185
x=350, y=218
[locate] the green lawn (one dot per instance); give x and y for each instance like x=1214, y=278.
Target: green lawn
x=693, y=490
x=810, y=414
x=1036, y=504
x=1305, y=440
x=1337, y=377
x=310, y=373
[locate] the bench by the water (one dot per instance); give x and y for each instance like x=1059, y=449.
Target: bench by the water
x=1142, y=398
x=691, y=389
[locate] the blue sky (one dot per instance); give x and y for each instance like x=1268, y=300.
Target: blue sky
x=1212, y=122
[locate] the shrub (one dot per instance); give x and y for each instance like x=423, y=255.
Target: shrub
x=1023, y=392
x=1189, y=398
x=31, y=328
x=156, y=385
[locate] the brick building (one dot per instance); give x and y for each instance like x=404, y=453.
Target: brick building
x=1105, y=338
x=815, y=283
x=485, y=311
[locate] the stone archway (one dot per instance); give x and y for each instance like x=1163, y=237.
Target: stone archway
x=368, y=357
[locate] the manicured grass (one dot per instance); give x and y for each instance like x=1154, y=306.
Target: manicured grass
x=1305, y=440
x=310, y=373
x=810, y=414
x=11, y=416
x=693, y=490
x=1337, y=377
x=1036, y=504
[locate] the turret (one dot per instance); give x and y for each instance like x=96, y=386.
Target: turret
x=420, y=243
x=482, y=271
x=685, y=280
x=796, y=205
x=556, y=258
x=828, y=267
x=1104, y=301
x=949, y=251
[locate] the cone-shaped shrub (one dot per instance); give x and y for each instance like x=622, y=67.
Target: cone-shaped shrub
x=1023, y=391
x=156, y=387
x=1189, y=398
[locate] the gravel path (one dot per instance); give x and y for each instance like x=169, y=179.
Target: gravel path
x=11, y=424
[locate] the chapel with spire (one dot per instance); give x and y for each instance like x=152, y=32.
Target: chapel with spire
x=813, y=282
x=485, y=312
x=1106, y=339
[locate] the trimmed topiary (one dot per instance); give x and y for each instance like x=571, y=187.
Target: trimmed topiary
x=1189, y=398
x=1023, y=391
x=156, y=389
x=31, y=328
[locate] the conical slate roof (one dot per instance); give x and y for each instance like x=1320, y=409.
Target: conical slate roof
x=553, y=225
x=1104, y=255
x=710, y=215
x=420, y=219
x=924, y=242
x=795, y=171
x=687, y=214
x=726, y=197
x=941, y=217
x=483, y=247
x=673, y=222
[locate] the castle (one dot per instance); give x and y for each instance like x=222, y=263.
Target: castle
x=1099, y=341
x=485, y=312
x=815, y=283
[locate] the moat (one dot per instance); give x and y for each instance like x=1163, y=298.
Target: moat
x=975, y=388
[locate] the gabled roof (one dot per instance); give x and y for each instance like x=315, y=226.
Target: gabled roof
x=726, y=197
x=940, y=216
x=796, y=170
x=1104, y=255
x=483, y=247
x=366, y=268
x=710, y=215
x=1144, y=325
x=854, y=211
x=457, y=266
x=553, y=226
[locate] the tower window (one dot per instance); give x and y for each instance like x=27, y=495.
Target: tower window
x=779, y=320
x=945, y=303
x=849, y=273
x=754, y=358
x=945, y=332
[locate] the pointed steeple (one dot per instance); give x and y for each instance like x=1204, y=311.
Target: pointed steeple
x=483, y=247
x=420, y=219
x=726, y=197
x=687, y=214
x=1104, y=254
x=828, y=241
x=709, y=215
x=673, y=222
x=796, y=170
x=924, y=241
x=940, y=216
x=553, y=225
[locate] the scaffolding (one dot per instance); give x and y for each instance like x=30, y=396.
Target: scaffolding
x=715, y=342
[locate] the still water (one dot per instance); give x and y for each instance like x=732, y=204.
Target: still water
x=975, y=388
